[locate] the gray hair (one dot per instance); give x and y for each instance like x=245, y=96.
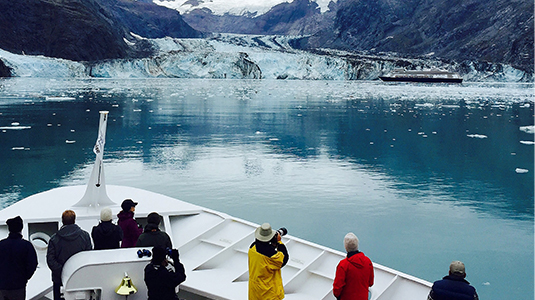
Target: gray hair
x=351, y=242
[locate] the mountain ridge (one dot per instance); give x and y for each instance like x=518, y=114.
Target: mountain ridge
x=496, y=31
x=86, y=30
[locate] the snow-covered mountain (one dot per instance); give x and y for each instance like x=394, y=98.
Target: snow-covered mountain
x=232, y=7
x=245, y=56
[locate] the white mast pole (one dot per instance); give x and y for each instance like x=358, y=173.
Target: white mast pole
x=95, y=193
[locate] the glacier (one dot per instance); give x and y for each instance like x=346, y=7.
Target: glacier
x=232, y=7
x=235, y=56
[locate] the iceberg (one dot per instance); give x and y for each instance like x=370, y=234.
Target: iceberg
x=528, y=129
x=477, y=136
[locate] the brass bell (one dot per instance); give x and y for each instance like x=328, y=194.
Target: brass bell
x=126, y=287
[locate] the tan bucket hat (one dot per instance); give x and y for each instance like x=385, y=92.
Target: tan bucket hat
x=264, y=233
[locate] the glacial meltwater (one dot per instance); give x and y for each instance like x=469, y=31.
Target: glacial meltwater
x=422, y=174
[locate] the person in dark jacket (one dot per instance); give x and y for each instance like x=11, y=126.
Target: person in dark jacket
x=106, y=235
x=454, y=286
x=152, y=235
x=18, y=261
x=69, y=240
x=131, y=230
x=354, y=274
x=162, y=277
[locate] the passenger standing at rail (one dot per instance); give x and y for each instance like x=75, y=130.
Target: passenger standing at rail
x=267, y=256
x=354, y=274
x=131, y=230
x=454, y=286
x=18, y=261
x=106, y=235
x=152, y=235
x=69, y=240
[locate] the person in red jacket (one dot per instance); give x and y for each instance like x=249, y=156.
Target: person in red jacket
x=354, y=274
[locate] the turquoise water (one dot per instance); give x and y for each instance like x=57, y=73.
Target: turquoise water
x=422, y=174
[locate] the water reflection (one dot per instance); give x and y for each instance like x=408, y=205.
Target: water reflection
x=415, y=169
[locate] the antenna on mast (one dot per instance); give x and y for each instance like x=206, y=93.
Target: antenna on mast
x=95, y=193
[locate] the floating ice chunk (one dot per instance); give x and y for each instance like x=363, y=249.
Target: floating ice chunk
x=15, y=127
x=527, y=142
x=59, y=98
x=424, y=105
x=477, y=136
x=528, y=129
x=521, y=171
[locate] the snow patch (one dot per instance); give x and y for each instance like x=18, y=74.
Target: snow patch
x=232, y=7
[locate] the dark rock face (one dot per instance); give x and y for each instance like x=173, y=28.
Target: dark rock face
x=5, y=71
x=493, y=30
x=85, y=30
x=70, y=29
x=149, y=20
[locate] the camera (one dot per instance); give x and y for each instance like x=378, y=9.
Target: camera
x=282, y=231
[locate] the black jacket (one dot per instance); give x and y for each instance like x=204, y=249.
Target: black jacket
x=18, y=261
x=106, y=235
x=69, y=240
x=154, y=238
x=161, y=282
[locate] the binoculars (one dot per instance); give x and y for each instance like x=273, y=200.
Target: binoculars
x=144, y=252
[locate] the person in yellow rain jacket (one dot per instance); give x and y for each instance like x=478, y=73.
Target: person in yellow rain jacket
x=267, y=255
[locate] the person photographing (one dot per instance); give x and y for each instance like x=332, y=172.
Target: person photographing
x=267, y=255
x=163, y=276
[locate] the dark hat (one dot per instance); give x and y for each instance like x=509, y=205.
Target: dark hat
x=127, y=204
x=158, y=255
x=153, y=218
x=14, y=224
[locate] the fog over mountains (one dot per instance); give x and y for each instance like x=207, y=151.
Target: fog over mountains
x=481, y=36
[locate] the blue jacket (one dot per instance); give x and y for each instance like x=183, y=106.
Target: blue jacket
x=18, y=262
x=452, y=288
